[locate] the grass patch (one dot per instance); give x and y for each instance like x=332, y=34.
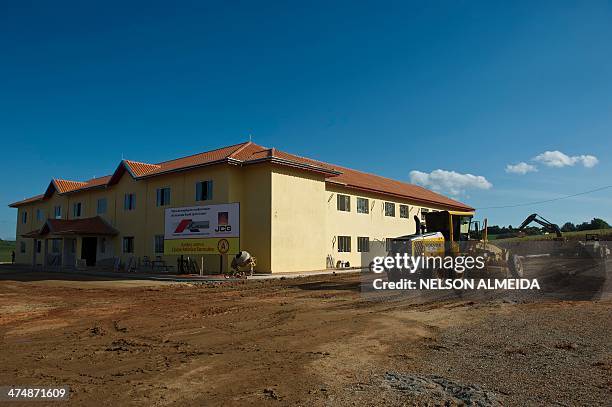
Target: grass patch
x=6, y=247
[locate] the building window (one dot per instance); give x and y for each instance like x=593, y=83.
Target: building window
x=423, y=212
x=129, y=202
x=57, y=212
x=159, y=243
x=24, y=217
x=103, y=245
x=128, y=244
x=404, y=211
x=363, y=205
x=55, y=245
x=363, y=244
x=204, y=190
x=102, y=204
x=344, y=203
x=344, y=244
x=388, y=244
x=163, y=196
x=389, y=209
x=76, y=210
x=38, y=246
x=39, y=215
x=22, y=247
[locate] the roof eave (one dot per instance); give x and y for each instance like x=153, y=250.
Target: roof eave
x=24, y=202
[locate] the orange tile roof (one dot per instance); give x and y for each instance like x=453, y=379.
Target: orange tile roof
x=141, y=169
x=249, y=153
x=85, y=226
x=64, y=186
x=28, y=200
x=98, y=182
x=375, y=183
x=206, y=157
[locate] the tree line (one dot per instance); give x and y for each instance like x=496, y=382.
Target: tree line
x=594, y=224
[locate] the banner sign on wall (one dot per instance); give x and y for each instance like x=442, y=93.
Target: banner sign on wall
x=210, y=229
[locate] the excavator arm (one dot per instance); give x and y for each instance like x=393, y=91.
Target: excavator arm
x=546, y=225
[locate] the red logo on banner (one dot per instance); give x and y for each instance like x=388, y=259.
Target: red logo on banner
x=182, y=226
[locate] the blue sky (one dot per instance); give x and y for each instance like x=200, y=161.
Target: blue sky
x=388, y=88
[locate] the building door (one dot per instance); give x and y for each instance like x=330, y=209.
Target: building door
x=88, y=250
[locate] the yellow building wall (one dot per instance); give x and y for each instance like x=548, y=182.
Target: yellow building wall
x=288, y=217
x=374, y=225
x=249, y=186
x=147, y=220
x=33, y=223
x=298, y=220
x=24, y=258
x=254, y=192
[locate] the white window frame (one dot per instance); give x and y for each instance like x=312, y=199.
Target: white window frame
x=127, y=250
x=77, y=213
x=101, y=212
x=129, y=201
x=388, y=213
x=160, y=196
x=360, y=244
x=343, y=202
x=206, y=185
x=403, y=206
x=361, y=208
x=388, y=244
x=345, y=247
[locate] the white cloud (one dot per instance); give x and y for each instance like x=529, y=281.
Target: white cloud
x=449, y=181
x=558, y=159
x=588, y=161
x=521, y=168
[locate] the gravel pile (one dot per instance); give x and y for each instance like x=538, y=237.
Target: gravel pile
x=442, y=390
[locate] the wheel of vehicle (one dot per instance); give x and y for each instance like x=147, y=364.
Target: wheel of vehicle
x=515, y=265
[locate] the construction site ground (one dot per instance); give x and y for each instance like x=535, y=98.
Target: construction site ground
x=315, y=340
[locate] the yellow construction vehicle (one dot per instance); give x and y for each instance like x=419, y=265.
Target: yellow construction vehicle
x=454, y=233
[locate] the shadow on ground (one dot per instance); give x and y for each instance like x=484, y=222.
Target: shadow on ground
x=330, y=286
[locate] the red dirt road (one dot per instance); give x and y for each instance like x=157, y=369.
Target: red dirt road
x=307, y=341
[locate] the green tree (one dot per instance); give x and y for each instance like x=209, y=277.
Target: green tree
x=598, y=223
x=568, y=227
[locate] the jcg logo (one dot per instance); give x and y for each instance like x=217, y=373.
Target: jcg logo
x=223, y=228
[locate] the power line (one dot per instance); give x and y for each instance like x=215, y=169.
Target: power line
x=547, y=200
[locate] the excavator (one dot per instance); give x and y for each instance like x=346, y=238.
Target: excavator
x=591, y=247
x=547, y=226
x=455, y=233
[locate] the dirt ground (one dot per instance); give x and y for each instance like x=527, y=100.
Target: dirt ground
x=306, y=341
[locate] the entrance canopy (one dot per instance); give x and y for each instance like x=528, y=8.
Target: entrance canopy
x=95, y=226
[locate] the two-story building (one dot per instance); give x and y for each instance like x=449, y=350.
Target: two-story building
x=296, y=214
